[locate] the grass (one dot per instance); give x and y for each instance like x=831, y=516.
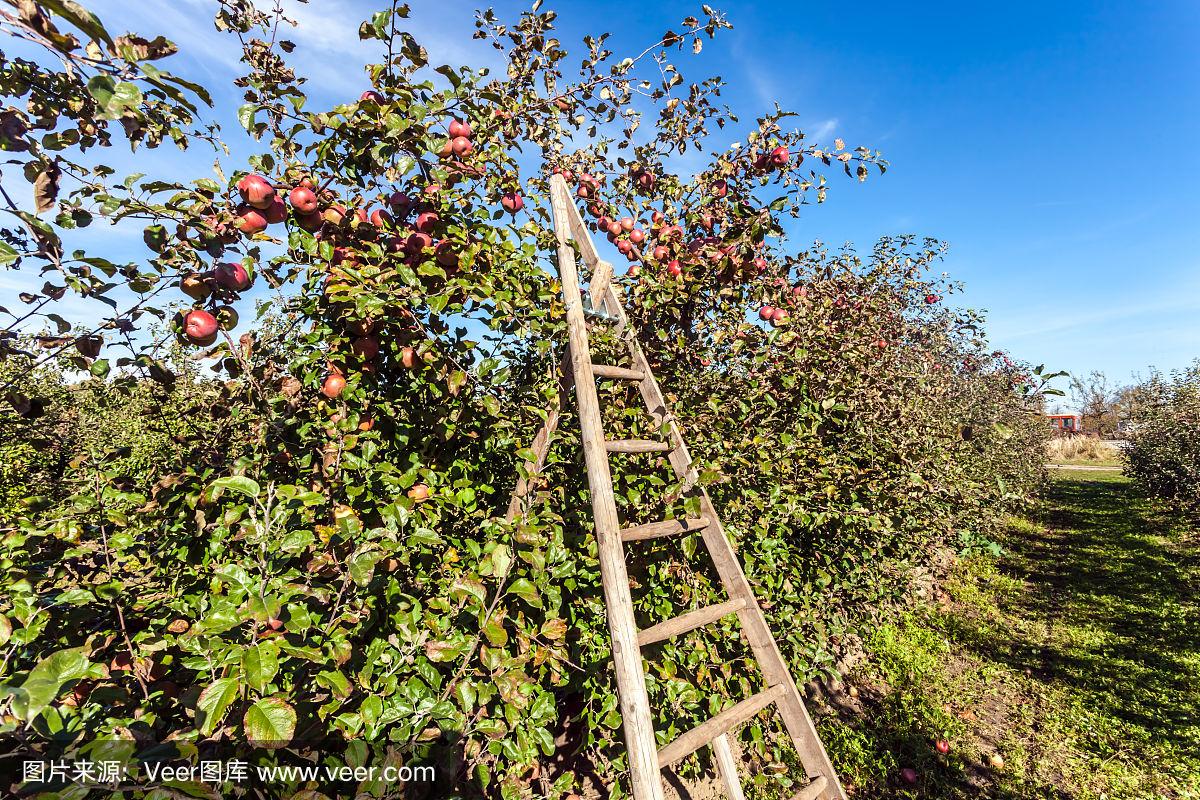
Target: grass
x=1074, y=657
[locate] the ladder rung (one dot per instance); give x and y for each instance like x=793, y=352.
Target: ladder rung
x=677, y=626
x=724, y=722
x=813, y=790
x=669, y=527
x=606, y=371
x=636, y=446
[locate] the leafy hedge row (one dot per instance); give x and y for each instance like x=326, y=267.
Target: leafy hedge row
x=312, y=549
x=1163, y=456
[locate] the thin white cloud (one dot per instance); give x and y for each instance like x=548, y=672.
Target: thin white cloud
x=822, y=130
x=1050, y=321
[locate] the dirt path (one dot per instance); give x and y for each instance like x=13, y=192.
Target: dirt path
x=1066, y=669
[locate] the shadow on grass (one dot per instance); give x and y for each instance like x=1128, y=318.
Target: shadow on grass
x=1081, y=646
x=1119, y=595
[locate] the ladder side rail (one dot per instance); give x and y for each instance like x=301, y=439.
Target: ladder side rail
x=758, y=633
x=601, y=271
x=637, y=723
x=541, y=441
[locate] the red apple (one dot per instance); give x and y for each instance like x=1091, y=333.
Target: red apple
x=645, y=181
x=909, y=776
x=256, y=191
x=417, y=242
x=400, y=202
x=427, y=221
x=408, y=357
x=719, y=188
x=660, y=252
x=779, y=156
x=584, y=191
x=614, y=227
x=335, y=214
x=200, y=327
x=512, y=202
x=674, y=270
x=310, y=222
x=625, y=247
x=460, y=129
x=250, y=221
x=942, y=746
x=461, y=145
x=232, y=277
x=370, y=96
x=445, y=256
x=766, y=312
x=380, y=218
x=276, y=212
x=779, y=315
x=419, y=493
x=637, y=236
x=366, y=347
x=333, y=385
x=931, y=298
x=303, y=199
x=627, y=224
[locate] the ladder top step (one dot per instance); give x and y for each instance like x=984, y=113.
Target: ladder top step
x=637, y=446
x=724, y=722
x=669, y=527
x=680, y=625
x=813, y=790
x=607, y=371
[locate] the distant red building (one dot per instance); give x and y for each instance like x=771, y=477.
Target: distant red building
x=1066, y=423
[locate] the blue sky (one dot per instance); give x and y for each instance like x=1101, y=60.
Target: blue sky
x=1052, y=145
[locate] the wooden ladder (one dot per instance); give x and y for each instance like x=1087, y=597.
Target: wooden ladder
x=646, y=758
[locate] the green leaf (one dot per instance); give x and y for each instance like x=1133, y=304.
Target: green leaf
x=525, y=590
x=260, y=664
x=245, y=115
x=362, y=567
x=7, y=254
x=270, y=723
x=442, y=651
x=101, y=88
x=80, y=17
x=213, y=703
x=237, y=483
x=47, y=679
